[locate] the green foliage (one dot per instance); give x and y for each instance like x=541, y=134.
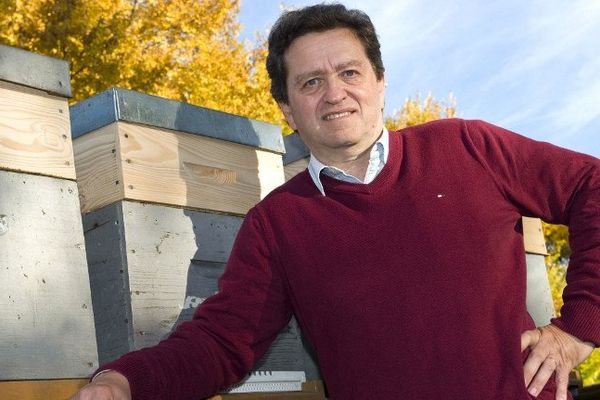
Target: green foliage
x=557, y=242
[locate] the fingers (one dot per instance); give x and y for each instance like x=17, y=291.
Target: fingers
x=108, y=386
x=530, y=338
x=542, y=375
x=93, y=391
x=562, y=383
x=552, y=351
x=535, y=362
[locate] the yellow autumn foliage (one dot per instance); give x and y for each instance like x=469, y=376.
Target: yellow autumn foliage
x=186, y=50
x=557, y=242
x=414, y=112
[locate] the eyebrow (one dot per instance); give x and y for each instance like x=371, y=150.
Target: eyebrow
x=317, y=72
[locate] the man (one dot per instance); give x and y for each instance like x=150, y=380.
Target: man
x=399, y=253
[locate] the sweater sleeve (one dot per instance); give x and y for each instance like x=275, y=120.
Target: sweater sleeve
x=558, y=186
x=229, y=332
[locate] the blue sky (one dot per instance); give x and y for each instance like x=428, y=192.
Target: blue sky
x=532, y=66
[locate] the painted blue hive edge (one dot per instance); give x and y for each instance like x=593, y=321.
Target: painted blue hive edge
x=295, y=149
x=35, y=70
x=118, y=104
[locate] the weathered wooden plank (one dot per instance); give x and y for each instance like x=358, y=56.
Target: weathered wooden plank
x=533, y=236
x=35, y=70
x=118, y=104
x=151, y=265
x=45, y=307
x=161, y=166
x=60, y=389
x=165, y=281
x=98, y=166
x=109, y=281
x=292, y=169
x=174, y=258
x=35, y=132
x=540, y=304
x=63, y=389
x=539, y=296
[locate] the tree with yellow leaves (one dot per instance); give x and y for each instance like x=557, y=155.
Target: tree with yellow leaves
x=186, y=50
x=557, y=242
x=414, y=112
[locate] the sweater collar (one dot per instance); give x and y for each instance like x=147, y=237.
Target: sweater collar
x=377, y=159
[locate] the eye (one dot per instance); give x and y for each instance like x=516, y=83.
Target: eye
x=349, y=73
x=311, y=83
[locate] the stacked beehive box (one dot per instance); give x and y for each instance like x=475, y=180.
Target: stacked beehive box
x=539, y=297
x=164, y=188
x=46, y=316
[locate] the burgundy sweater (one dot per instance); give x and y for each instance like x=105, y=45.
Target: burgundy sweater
x=412, y=286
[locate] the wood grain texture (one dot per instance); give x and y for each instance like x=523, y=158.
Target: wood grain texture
x=161, y=166
x=98, y=166
x=35, y=134
x=165, y=283
x=63, y=389
x=539, y=296
x=294, y=168
x=46, y=318
x=174, y=259
x=195, y=172
x=109, y=281
x=60, y=389
x=151, y=265
x=533, y=235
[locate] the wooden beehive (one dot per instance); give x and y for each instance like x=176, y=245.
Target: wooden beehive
x=539, y=296
x=296, y=157
x=138, y=147
x=165, y=186
x=45, y=308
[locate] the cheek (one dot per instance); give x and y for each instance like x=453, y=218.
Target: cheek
x=305, y=113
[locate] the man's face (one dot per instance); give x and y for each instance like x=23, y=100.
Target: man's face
x=334, y=98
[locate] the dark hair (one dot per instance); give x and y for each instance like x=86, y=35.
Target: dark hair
x=318, y=18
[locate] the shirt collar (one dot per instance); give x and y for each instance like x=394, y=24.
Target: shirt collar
x=377, y=159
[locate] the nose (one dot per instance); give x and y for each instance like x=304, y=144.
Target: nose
x=335, y=91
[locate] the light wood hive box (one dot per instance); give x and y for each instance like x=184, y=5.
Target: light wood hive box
x=539, y=297
x=164, y=187
x=46, y=316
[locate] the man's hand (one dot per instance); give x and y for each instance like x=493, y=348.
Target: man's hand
x=552, y=351
x=107, y=386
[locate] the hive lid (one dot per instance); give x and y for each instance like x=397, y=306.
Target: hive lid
x=35, y=70
x=295, y=149
x=117, y=104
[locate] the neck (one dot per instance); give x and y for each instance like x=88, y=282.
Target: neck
x=350, y=160
x=355, y=166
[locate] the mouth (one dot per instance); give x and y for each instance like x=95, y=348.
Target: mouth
x=336, y=115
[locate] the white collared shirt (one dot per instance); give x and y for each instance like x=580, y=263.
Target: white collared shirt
x=377, y=160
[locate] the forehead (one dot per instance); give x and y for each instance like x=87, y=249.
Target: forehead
x=317, y=50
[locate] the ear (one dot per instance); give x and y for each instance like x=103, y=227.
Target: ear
x=287, y=113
